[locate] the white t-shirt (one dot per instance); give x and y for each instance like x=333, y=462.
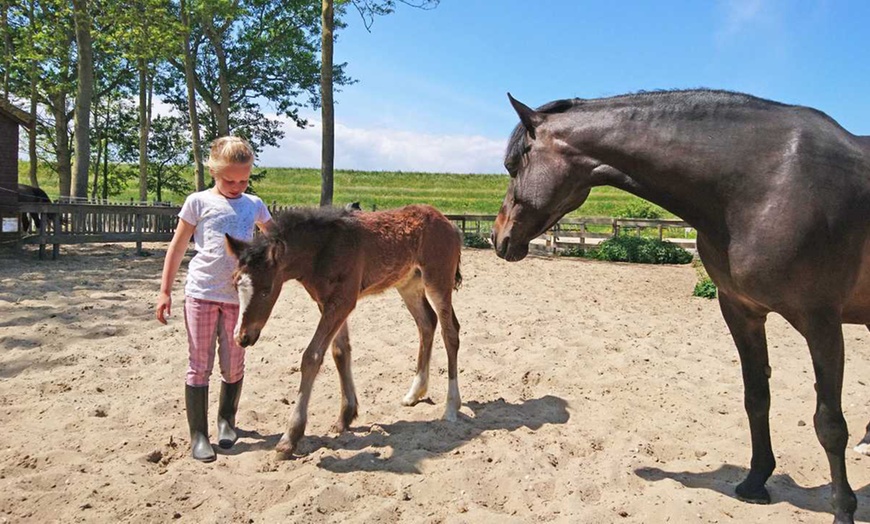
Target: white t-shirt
x=209, y=276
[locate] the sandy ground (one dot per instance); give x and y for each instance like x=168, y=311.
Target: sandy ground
x=592, y=392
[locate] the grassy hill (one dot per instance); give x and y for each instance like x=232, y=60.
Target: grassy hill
x=451, y=193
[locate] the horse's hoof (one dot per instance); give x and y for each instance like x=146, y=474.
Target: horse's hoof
x=863, y=448
x=752, y=494
x=338, y=428
x=410, y=400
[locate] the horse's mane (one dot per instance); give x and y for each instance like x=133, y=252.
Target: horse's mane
x=669, y=99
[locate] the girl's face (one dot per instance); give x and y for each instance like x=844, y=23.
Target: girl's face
x=232, y=180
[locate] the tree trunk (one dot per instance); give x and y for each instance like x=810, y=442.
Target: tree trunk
x=99, y=132
x=143, y=131
x=31, y=132
x=222, y=111
x=7, y=46
x=327, y=109
x=63, y=154
x=189, y=77
x=84, y=97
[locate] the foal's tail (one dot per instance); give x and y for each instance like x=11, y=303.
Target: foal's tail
x=457, y=279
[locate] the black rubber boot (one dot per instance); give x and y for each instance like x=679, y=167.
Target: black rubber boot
x=196, y=401
x=229, y=404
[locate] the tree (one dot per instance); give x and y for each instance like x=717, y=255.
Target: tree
x=247, y=52
x=84, y=97
x=368, y=10
x=190, y=85
x=327, y=108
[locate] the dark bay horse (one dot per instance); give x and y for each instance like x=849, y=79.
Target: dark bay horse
x=779, y=195
x=32, y=195
x=340, y=256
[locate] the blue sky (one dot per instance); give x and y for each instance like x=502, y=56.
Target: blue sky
x=431, y=84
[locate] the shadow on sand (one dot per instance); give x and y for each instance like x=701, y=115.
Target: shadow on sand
x=781, y=486
x=410, y=442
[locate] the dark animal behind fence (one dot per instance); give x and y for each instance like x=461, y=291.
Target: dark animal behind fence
x=340, y=256
x=32, y=195
x=779, y=195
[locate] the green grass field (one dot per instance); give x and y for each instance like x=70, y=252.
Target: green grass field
x=451, y=193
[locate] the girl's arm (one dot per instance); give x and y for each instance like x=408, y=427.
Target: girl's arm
x=174, y=256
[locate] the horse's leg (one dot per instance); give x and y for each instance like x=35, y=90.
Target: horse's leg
x=342, y=356
x=414, y=296
x=333, y=316
x=440, y=292
x=824, y=333
x=747, y=329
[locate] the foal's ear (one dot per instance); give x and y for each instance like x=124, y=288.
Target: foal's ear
x=235, y=246
x=277, y=250
x=528, y=116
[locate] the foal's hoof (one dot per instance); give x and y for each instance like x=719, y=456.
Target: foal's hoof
x=752, y=494
x=285, y=448
x=411, y=400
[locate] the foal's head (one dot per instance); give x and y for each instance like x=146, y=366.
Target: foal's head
x=258, y=280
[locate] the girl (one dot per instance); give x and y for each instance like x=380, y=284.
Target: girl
x=211, y=304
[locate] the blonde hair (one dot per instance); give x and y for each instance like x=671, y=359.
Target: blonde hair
x=228, y=150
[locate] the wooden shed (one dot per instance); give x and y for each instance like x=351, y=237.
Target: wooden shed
x=10, y=119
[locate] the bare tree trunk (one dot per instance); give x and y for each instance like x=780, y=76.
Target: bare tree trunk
x=143, y=131
x=84, y=97
x=189, y=72
x=222, y=112
x=31, y=132
x=99, y=132
x=63, y=154
x=327, y=109
x=7, y=46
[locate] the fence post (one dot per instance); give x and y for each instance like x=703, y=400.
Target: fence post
x=55, y=248
x=583, y=236
x=138, y=228
x=614, y=224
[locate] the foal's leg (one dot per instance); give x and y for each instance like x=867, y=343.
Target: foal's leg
x=341, y=355
x=863, y=447
x=333, y=316
x=824, y=333
x=747, y=329
x=440, y=293
x=414, y=295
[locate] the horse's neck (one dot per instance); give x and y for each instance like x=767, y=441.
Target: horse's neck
x=665, y=163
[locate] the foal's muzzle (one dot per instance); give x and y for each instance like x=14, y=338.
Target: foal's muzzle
x=248, y=338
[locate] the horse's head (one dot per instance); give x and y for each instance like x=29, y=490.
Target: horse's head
x=544, y=183
x=258, y=280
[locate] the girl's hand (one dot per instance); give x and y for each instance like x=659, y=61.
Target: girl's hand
x=164, y=307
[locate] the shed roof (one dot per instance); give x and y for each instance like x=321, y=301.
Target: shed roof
x=17, y=115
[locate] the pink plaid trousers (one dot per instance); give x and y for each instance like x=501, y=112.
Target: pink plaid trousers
x=208, y=322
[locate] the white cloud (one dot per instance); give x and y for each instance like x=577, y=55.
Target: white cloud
x=739, y=14
x=384, y=149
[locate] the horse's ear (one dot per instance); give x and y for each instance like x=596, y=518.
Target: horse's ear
x=277, y=249
x=235, y=246
x=530, y=118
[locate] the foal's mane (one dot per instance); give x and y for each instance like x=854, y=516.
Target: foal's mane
x=294, y=221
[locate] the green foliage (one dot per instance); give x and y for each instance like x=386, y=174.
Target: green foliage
x=642, y=250
x=640, y=209
x=574, y=251
x=705, y=288
x=477, y=240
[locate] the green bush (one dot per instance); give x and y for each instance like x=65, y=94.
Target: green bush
x=640, y=209
x=705, y=288
x=477, y=240
x=641, y=250
x=574, y=251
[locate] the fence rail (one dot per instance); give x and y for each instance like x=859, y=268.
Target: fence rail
x=79, y=223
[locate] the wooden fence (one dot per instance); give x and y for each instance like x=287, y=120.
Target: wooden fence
x=84, y=223
x=87, y=223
